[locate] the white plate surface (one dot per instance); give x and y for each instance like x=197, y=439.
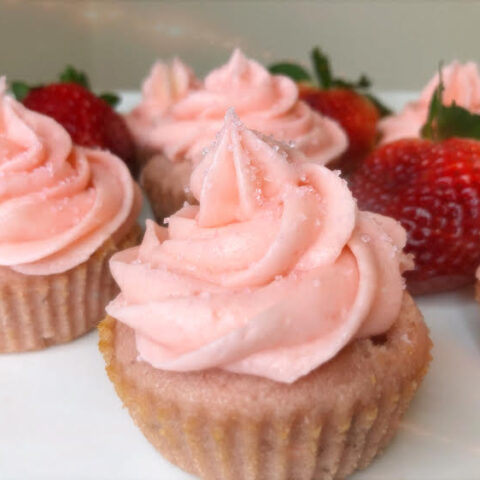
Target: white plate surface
x=61, y=419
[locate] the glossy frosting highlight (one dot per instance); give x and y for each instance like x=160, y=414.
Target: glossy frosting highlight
x=272, y=273
x=264, y=102
x=462, y=86
x=58, y=203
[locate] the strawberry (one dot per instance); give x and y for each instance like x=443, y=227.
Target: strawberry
x=357, y=115
x=432, y=186
x=90, y=120
x=346, y=102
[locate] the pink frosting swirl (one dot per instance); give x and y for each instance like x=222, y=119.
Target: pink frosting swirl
x=272, y=274
x=58, y=203
x=165, y=85
x=267, y=103
x=462, y=86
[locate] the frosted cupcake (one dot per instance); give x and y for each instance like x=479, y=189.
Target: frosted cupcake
x=64, y=211
x=179, y=116
x=266, y=332
x=462, y=86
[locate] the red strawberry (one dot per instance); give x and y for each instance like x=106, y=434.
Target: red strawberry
x=355, y=113
x=432, y=186
x=89, y=119
x=346, y=102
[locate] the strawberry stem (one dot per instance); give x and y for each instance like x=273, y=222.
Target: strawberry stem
x=430, y=129
x=72, y=75
x=20, y=90
x=361, y=83
x=382, y=109
x=111, y=98
x=321, y=66
x=292, y=70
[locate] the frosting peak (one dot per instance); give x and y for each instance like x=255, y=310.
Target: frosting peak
x=58, y=202
x=237, y=175
x=237, y=67
x=251, y=88
x=166, y=84
x=461, y=85
x=272, y=274
x=229, y=190
x=264, y=102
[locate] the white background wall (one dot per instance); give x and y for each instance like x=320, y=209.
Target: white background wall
x=399, y=43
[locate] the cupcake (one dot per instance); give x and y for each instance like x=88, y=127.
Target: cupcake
x=461, y=85
x=266, y=332
x=64, y=210
x=179, y=116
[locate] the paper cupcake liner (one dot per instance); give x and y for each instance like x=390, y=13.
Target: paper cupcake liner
x=166, y=185
x=39, y=311
x=223, y=426
x=144, y=152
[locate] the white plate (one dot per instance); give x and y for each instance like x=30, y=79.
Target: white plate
x=61, y=419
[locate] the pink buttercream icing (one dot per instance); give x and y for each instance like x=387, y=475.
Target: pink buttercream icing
x=166, y=84
x=272, y=274
x=264, y=102
x=58, y=203
x=462, y=86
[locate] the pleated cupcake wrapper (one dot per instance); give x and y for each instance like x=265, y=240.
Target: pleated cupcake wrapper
x=271, y=448
x=39, y=311
x=165, y=184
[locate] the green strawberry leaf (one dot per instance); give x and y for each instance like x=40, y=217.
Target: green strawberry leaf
x=111, y=98
x=457, y=121
x=428, y=130
x=321, y=67
x=383, y=110
x=449, y=121
x=72, y=75
x=362, y=82
x=292, y=70
x=20, y=90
